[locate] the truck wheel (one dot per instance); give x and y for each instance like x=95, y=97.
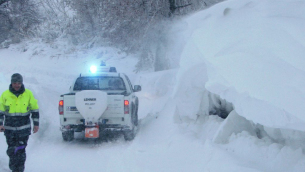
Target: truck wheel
x=68, y=135
x=129, y=134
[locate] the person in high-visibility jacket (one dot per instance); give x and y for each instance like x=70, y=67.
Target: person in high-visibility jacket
x=16, y=106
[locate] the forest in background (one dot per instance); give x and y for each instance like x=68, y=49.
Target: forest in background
x=133, y=26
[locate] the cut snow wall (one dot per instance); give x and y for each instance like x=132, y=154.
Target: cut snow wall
x=233, y=124
x=259, y=70
x=193, y=100
x=292, y=138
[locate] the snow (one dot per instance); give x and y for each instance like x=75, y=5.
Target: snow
x=259, y=59
x=241, y=58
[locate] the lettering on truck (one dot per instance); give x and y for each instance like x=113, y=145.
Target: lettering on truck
x=89, y=99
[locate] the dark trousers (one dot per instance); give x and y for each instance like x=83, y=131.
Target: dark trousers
x=16, y=152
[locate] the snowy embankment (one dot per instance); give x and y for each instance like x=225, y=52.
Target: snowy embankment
x=241, y=55
x=250, y=53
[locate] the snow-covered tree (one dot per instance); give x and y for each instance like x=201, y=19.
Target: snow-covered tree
x=134, y=26
x=18, y=19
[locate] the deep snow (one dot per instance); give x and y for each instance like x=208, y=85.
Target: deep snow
x=242, y=55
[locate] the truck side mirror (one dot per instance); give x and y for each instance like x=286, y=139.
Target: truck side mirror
x=137, y=88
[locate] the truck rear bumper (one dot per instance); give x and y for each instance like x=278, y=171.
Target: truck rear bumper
x=102, y=127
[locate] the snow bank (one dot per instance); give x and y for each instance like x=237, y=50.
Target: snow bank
x=233, y=124
x=156, y=90
x=251, y=54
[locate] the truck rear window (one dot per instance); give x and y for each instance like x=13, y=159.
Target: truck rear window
x=99, y=83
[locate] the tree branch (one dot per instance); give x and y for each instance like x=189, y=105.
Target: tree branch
x=3, y=1
x=182, y=6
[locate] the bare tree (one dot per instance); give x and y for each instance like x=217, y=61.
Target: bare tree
x=59, y=19
x=3, y=1
x=132, y=25
x=18, y=18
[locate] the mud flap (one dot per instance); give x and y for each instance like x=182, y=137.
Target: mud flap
x=92, y=132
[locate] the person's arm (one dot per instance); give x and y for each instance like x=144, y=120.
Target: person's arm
x=35, y=118
x=35, y=113
x=1, y=121
x=2, y=112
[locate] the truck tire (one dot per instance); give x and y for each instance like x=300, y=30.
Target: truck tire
x=129, y=134
x=68, y=135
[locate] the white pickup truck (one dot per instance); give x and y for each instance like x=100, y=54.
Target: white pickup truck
x=100, y=101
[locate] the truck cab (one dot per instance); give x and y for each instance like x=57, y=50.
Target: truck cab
x=100, y=101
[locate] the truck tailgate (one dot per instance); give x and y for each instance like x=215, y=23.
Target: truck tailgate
x=115, y=107
x=70, y=110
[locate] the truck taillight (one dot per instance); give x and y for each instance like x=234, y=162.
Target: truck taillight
x=61, y=107
x=126, y=107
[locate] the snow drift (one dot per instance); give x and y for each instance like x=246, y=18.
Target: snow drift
x=251, y=54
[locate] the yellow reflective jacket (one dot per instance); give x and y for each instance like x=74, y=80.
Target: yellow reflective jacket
x=24, y=103
x=17, y=110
